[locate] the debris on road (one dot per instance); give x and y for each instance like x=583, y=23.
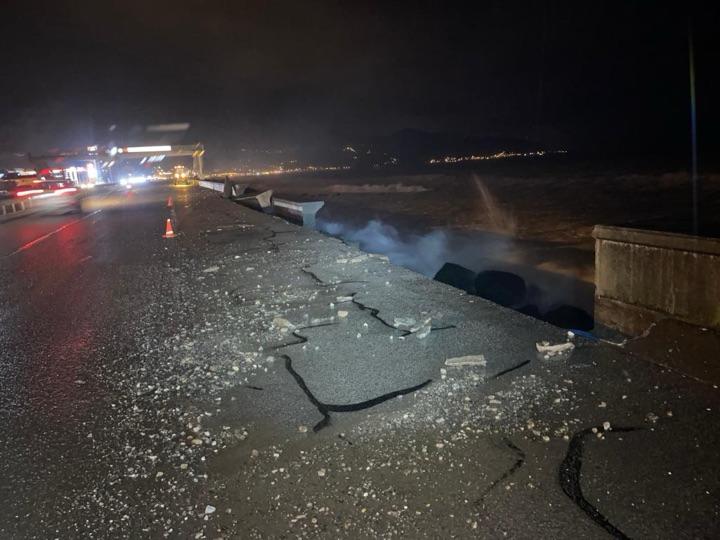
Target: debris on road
x=471, y=360
x=545, y=348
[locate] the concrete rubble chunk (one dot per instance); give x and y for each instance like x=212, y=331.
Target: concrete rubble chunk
x=547, y=349
x=422, y=330
x=280, y=322
x=404, y=323
x=470, y=360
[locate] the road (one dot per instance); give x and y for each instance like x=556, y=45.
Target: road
x=250, y=378
x=67, y=320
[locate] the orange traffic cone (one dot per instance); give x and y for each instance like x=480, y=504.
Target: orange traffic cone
x=169, y=233
x=170, y=202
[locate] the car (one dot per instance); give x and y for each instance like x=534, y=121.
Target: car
x=14, y=189
x=60, y=196
x=48, y=195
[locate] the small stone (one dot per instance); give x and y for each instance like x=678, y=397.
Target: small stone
x=342, y=314
x=196, y=442
x=209, y=509
x=302, y=429
x=321, y=472
x=607, y=426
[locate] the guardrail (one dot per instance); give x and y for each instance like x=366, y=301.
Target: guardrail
x=14, y=207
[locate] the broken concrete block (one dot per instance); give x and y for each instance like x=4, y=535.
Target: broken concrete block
x=471, y=360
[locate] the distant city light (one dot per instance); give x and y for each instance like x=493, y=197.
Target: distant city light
x=497, y=155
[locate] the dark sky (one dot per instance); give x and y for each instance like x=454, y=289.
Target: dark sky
x=598, y=75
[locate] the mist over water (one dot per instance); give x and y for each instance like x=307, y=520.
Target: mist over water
x=476, y=251
x=498, y=219
x=422, y=253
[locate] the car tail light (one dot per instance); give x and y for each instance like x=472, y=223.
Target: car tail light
x=28, y=192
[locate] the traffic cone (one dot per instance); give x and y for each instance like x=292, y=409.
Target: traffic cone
x=170, y=202
x=169, y=233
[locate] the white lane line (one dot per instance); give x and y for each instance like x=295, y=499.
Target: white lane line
x=31, y=243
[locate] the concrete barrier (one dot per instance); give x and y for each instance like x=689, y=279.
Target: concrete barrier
x=229, y=188
x=215, y=186
x=261, y=201
x=304, y=212
x=10, y=209
x=644, y=276
x=238, y=190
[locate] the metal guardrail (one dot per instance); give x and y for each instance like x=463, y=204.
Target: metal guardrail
x=15, y=207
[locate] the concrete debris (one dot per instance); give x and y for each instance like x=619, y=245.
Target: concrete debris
x=423, y=329
x=211, y=269
x=280, y=322
x=472, y=360
x=423, y=332
x=404, y=323
x=547, y=349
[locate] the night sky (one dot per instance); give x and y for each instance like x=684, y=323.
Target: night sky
x=589, y=76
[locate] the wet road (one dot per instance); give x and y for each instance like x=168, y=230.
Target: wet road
x=253, y=379
x=69, y=286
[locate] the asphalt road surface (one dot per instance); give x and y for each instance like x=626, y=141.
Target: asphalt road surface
x=250, y=378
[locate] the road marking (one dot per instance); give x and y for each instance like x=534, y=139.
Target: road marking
x=31, y=243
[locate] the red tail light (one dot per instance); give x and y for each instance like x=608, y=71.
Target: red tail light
x=28, y=192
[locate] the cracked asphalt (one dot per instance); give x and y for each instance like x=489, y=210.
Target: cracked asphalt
x=253, y=379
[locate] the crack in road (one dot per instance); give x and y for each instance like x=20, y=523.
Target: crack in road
x=570, y=472
x=323, y=283
x=519, y=462
x=374, y=312
x=325, y=408
x=301, y=339
x=510, y=369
